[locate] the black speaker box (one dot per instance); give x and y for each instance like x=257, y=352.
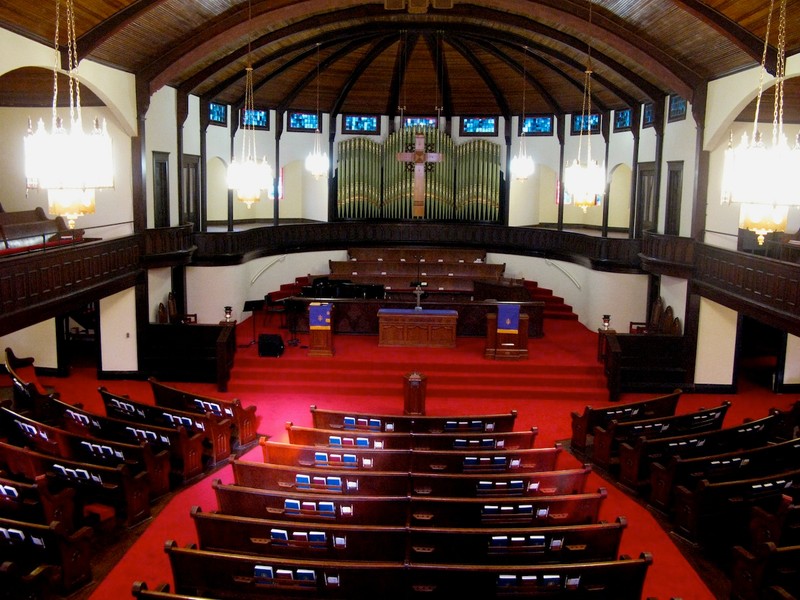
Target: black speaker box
x=270, y=344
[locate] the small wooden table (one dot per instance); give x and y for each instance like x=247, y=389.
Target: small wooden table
x=414, y=327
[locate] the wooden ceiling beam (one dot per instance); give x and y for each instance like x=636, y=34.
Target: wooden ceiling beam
x=490, y=81
x=377, y=49
x=114, y=24
x=743, y=38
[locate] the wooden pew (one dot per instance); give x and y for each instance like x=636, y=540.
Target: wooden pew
x=769, y=565
x=222, y=575
x=31, y=545
x=89, y=449
x=41, y=583
x=140, y=591
x=185, y=449
x=127, y=493
x=299, y=506
x=742, y=464
x=321, y=480
x=515, y=545
x=354, y=421
x=644, y=363
x=217, y=432
x=607, y=440
x=523, y=484
x=636, y=458
x=376, y=483
x=583, y=424
x=271, y=537
x=242, y=577
x=355, y=458
x=312, y=436
x=244, y=418
x=310, y=540
x=405, y=461
x=29, y=394
x=715, y=514
x=36, y=503
x=505, y=511
x=490, y=461
x=780, y=526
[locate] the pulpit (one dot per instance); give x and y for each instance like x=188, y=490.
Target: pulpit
x=319, y=327
x=414, y=388
x=506, y=343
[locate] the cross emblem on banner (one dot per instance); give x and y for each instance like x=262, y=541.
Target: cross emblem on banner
x=420, y=161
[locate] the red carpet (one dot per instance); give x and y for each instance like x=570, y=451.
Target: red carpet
x=561, y=375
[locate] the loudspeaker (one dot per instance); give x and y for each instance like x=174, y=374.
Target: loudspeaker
x=270, y=345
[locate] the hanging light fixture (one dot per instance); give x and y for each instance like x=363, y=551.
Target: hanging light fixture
x=69, y=164
x=585, y=182
x=522, y=165
x=764, y=180
x=317, y=161
x=249, y=176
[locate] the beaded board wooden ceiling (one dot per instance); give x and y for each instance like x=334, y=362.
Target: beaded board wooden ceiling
x=467, y=57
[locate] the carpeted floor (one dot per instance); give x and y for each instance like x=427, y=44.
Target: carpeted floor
x=561, y=375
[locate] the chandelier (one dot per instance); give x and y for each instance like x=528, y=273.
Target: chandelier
x=317, y=161
x=585, y=182
x=68, y=162
x=249, y=176
x=764, y=179
x=522, y=165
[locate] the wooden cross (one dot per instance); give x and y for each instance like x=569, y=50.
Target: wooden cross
x=419, y=160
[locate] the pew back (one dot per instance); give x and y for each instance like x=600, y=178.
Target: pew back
x=354, y=421
x=583, y=424
x=244, y=418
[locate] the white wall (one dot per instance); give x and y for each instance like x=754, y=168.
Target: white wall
x=590, y=293
x=674, y=292
x=118, y=350
x=38, y=341
x=159, y=285
x=716, y=344
x=791, y=371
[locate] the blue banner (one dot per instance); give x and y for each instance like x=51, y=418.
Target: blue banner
x=508, y=318
x=319, y=316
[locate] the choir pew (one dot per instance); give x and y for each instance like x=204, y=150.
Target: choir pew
x=185, y=449
x=31, y=545
x=715, y=514
x=322, y=541
x=117, y=487
x=139, y=457
x=637, y=456
x=223, y=575
x=607, y=440
x=35, y=502
x=355, y=421
x=217, y=432
x=509, y=440
x=244, y=418
x=583, y=425
x=743, y=464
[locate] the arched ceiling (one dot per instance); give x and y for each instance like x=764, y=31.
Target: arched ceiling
x=458, y=57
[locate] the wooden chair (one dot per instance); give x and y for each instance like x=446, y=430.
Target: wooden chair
x=274, y=305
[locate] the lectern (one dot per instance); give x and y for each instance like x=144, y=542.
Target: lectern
x=414, y=387
x=506, y=340
x=319, y=327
